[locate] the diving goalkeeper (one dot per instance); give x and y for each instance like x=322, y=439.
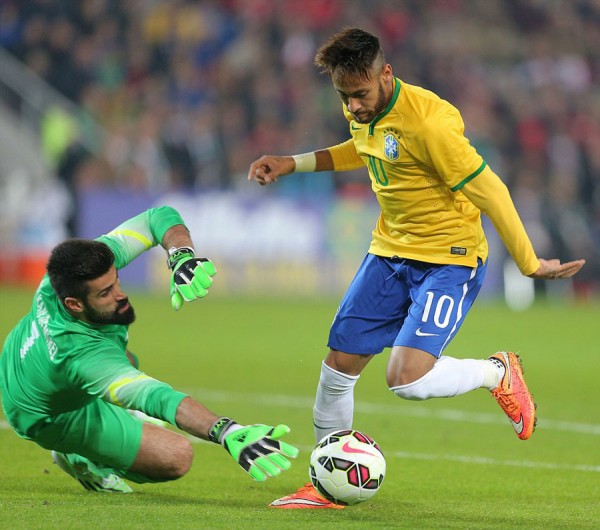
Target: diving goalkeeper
x=68, y=380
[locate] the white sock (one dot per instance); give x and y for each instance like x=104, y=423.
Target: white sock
x=451, y=377
x=494, y=372
x=334, y=404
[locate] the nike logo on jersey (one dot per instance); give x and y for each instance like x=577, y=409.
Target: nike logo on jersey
x=518, y=425
x=420, y=333
x=348, y=449
x=355, y=128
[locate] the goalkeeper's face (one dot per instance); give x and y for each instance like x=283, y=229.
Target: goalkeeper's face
x=106, y=303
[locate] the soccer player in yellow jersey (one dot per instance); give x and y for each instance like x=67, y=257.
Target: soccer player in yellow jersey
x=428, y=255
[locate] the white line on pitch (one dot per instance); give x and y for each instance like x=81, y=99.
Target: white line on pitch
x=486, y=461
x=412, y=410
x=463, y=459
x=493, y=462
x=403, y=409
x=453, y=458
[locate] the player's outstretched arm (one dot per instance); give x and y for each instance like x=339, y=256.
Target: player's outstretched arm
x=191, y=275
x=256, y=448
x=553, y=269
x=269, y=168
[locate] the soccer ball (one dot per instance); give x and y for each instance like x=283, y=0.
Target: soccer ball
x=347, y=467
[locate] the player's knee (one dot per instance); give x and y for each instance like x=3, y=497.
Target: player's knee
x=404, y=377
x=182, y=456
x=415, y=390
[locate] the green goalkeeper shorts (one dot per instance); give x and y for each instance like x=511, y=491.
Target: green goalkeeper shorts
x=104, y=433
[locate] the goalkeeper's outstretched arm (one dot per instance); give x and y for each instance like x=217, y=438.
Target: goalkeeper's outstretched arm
x=191, y=276
x=256, y=448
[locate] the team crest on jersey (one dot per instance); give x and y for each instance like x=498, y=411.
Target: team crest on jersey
x=391, y=146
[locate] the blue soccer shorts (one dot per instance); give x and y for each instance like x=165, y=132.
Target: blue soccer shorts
x=400, y=302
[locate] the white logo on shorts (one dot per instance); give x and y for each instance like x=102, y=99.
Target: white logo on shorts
x=420, y=333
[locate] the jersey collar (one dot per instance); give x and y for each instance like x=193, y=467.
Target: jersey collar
x=386, y=111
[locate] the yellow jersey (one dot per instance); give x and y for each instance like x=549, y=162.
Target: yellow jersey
x=425, y=174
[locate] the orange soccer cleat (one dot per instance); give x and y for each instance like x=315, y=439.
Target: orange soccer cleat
x=514, y=397
x=305, y=498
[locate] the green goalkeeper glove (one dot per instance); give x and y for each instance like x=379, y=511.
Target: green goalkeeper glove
x=191, y=276
x=254, y=447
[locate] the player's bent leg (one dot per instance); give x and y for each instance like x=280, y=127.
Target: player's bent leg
x=407, y=365
x=417, y=375
x=93, y=444
x=163, y=455
x=502, y=374
x=108, y=440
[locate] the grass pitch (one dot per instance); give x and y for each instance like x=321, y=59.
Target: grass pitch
x=452, y=463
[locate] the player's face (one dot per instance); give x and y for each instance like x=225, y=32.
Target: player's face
x=106, y=303
x=365, y=98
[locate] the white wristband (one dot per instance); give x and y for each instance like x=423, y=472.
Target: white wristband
x=230, y=429
x=305, y=163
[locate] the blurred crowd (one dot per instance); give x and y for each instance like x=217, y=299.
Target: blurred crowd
x=188, y=92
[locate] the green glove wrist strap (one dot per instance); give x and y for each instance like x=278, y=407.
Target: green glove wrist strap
x=176, y=254
x=219, y=428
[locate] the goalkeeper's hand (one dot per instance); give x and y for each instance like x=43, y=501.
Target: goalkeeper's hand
x=191, y=276
x=255, y=447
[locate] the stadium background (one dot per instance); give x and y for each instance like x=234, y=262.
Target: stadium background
x=108, y=107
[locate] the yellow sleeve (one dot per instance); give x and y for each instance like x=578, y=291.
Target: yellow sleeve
x=345, y=157
x=442, y=145
x=491, y=196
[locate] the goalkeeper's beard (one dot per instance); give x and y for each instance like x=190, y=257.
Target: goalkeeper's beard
x=111, y=317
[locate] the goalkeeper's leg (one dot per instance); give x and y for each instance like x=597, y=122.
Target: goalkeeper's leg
x=101, y=444
x=93, y=477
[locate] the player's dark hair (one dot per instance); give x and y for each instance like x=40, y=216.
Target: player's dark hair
x=75, y=262
x=351, y=51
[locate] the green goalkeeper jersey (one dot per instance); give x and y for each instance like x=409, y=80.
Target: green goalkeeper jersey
x=53, y=363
